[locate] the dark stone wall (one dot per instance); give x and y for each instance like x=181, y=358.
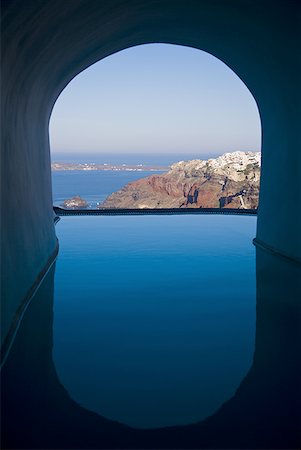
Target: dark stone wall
x=45, y=43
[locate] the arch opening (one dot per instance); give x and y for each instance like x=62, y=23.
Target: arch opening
x=139, y=111
x=217, y=116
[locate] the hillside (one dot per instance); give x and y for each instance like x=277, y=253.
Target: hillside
x=229, y=181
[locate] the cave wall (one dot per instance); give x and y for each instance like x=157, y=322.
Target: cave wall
x=45, y=43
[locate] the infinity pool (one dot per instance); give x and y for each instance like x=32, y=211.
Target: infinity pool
x=154, y=316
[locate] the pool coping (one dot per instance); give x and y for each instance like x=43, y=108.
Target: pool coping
x=151, y=211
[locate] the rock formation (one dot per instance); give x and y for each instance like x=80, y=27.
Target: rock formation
x=229, y=181
x=75, y=203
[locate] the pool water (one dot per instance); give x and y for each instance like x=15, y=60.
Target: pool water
x=154, y=316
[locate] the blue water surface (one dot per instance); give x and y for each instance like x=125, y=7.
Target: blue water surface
x=92, y=186
x=154, y=316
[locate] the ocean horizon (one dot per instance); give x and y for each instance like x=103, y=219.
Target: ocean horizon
x=147, y=159
x=95, y=186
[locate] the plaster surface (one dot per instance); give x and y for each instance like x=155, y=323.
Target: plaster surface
x=45, y=43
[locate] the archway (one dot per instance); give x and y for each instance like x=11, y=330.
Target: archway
x=48, y=43
x=135, y=113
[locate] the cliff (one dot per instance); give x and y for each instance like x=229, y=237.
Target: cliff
x=229, y=181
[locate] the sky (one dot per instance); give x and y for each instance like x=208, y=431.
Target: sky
x=156, y=98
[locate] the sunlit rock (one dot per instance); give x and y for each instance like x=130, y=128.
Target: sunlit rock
x=75, y=203
x=229, y=181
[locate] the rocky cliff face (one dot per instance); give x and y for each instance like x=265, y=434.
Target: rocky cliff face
x=229, y=181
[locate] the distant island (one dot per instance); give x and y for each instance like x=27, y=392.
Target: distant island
x=75, y=202
x=229, y=181
x=56, y=166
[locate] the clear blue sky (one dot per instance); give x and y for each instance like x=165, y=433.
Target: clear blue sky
x=156, y=98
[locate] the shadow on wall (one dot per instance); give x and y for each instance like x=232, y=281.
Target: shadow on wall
x=38, y=412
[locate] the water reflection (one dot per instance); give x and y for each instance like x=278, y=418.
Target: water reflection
x=154, y=317
x=38, y=412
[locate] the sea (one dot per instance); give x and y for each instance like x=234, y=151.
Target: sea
x=95, y=186
x=146, y=159
x=154, y=316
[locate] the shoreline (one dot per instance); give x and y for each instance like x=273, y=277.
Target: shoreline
x=64, y=167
